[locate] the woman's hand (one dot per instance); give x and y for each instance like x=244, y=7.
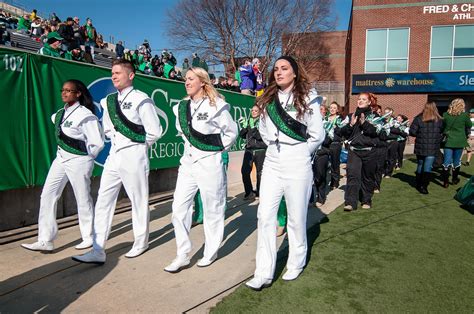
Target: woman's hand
x=353, y=120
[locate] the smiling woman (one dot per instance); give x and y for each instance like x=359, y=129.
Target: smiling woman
x=80, y=139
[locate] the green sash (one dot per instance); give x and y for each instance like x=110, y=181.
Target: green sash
x=69, y=144
x=135, y=132
x=205, y=142
x=285, y=123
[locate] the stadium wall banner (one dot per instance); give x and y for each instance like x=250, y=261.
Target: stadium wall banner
x=30, y=86
x=432, y=82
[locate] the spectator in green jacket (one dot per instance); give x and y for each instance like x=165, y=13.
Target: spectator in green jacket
x=24, y=24
x=52, y=45
x=455, y=123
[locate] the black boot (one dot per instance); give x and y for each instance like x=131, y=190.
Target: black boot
x=418, y=181
x=445, y=177
x=425, y=181
x=456, y=175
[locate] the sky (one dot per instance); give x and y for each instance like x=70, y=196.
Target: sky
x=133, y=21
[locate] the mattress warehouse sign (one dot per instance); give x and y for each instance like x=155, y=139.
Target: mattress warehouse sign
x=446, y=82
x=464, y=11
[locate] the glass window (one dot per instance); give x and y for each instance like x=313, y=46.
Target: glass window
x=441, y=64
x=375, y=66
x=398, y=43
x=442, y=41
x=396, y=65
x=376, y=44
x=463, y=64
x=387, y=50
x=452, y=48
x=464, y=42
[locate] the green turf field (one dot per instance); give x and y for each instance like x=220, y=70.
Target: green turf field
x=409, y=253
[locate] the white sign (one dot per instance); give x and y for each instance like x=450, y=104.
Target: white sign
x=461, y=11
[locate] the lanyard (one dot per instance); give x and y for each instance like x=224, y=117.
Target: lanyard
x=120, y=102
x=68, y=115
x=199, y=106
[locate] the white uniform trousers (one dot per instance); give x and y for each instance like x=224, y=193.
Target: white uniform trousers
x=286, y=172
x=129, y=166
x=78, y=171
x=207, y=175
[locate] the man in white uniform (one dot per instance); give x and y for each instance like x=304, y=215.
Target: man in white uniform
x=131, y=123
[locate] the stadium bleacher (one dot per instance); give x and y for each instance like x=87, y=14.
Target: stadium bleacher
x=102, y=57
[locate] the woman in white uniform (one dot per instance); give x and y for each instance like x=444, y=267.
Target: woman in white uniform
x=80, y=139
x=204, y=122
x=292, y=127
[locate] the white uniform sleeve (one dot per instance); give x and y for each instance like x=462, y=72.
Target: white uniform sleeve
x=53, y=117
x=150, y=121
x=262, y=128
x=223, y=120
x=94, y=136
x=315, y=128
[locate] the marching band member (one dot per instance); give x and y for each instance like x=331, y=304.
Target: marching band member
x=204, y=122
x=80, y=139
x=362, y=134
x=131, y=123
x=402, y=124
x=291, y=126
x=334, y=121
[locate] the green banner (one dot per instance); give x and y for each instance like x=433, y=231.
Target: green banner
x=14, y=127
x=34, y=82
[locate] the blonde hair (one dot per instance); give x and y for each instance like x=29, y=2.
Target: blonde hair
x=430, y=112
x=456, y=107
x=208, y=89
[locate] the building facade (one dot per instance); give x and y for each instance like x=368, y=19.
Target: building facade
x=409, y=52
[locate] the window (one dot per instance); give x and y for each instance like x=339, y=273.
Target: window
x=386, y=50
x=452, y=48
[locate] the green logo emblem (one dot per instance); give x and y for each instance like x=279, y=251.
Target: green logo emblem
x=67, y=124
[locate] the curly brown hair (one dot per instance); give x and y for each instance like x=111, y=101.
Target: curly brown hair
x=301, y=89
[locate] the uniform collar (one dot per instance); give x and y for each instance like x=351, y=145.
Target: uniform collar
x=125, y=91
x=71, y=107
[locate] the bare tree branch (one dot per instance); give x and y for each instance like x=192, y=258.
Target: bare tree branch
x=223, y=31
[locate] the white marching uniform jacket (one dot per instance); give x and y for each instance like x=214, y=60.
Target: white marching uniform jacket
x=203, y=171
x=208, y=119
x=286, y=172
x=139, y=109
x=79, y=123
x=127, y=164
x=311, y=119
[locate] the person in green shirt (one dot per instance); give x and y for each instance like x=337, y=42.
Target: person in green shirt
x=455, y=123
x=24, y=24
x=52, y=45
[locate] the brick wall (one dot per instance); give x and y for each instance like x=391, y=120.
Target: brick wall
x=368, y=14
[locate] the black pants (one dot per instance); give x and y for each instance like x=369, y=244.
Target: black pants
x=320, y=171
x=361, y=166
x=335, y=157
x=250, y=157
x=381, y=153
x=392, y=155
x=401, y=149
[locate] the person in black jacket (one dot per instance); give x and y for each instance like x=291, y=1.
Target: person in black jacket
x=362, y=135
x=381, y=154
x=426, y=128
x=391, y=134
x=254, y=152
x=66, y=31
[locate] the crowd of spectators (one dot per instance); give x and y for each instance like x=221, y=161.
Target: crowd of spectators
x=72, y=40
x=67, y=39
